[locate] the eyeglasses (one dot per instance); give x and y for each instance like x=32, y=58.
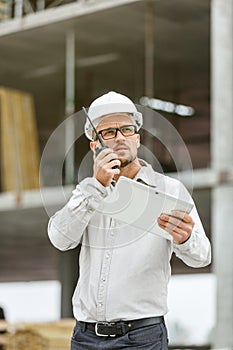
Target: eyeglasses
x=111, y=133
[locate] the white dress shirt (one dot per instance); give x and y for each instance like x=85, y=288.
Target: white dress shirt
x=124, y=272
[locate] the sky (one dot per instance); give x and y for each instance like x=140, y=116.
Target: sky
x=191, y=301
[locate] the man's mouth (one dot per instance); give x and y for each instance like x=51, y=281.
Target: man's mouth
x=121, y=149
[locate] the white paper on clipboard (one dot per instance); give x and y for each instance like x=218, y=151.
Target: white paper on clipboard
x=140, y=205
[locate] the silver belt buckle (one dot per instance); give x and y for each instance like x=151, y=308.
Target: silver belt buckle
x=103, y=324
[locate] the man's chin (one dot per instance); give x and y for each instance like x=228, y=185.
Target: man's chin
x=125, y=162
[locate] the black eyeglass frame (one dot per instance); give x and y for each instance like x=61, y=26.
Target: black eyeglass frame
x=116, y=131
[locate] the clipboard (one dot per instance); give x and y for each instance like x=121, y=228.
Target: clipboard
x=139, y=205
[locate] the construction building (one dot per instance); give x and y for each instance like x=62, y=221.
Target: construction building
x=57, y=56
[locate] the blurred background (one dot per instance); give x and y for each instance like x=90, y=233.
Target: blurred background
x=170, y=56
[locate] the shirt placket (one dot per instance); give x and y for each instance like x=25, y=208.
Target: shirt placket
x=104, y=277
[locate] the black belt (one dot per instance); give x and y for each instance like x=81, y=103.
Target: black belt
x=121, y=327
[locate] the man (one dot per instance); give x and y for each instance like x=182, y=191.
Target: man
x=121, y=295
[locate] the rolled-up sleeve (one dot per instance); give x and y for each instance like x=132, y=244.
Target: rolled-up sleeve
x=66, y=226
x=196, y=251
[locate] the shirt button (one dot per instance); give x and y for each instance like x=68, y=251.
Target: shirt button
x=107, y=256
x=90, y=210
x=100, y=304
x=103, y=279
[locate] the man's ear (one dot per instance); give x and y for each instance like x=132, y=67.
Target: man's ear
x=92, y=145
x=138, y=140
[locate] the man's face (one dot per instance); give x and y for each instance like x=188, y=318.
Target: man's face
x=124, y=146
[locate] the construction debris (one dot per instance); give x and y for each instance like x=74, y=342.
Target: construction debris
x=41, y=336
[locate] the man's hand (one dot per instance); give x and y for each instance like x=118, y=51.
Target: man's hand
x=179, y=224
x=103, y=166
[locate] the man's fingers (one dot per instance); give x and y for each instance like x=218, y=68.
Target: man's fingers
x=103, y=153
x=179, y=225
x=106, y=158
x=168, y=221
x=182, y=215
x=178, y=235
x=173, y=220
x=174, y=229
x=113, y=163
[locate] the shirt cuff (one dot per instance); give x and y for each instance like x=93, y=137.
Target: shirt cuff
x=190, y=243
x=92, y=187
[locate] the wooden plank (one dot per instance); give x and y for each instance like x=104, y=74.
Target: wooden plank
x=13, y=120
x=19, y=141
x=7, y=157
x=33, y=157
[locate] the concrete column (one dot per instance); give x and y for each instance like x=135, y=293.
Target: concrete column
x=18, y=9
x=40, y=5
x=148, y=120
x=149, y=49
x=69, y=274
x=222, y=160
x=69, y=259
x=70, y=107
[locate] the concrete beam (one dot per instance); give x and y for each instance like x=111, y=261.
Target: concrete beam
x=58, y=14
x=205, y=178
x=198, y=179
x=48, y=196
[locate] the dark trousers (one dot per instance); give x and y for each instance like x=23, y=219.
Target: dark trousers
x=145, y=338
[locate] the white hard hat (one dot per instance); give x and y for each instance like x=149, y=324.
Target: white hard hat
x=110, y=103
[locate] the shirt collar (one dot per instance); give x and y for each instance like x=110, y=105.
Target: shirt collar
x=146, y=174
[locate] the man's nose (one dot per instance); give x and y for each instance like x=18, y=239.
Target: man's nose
x=119, y=136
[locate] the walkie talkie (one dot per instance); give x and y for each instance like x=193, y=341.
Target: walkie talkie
x=103, y=146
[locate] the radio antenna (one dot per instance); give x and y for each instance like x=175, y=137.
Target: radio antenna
x=96, y=132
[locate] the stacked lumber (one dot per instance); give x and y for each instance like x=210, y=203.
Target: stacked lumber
x=41, y=336
x=19, y=150
x=3, y=333
x=4, y=10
